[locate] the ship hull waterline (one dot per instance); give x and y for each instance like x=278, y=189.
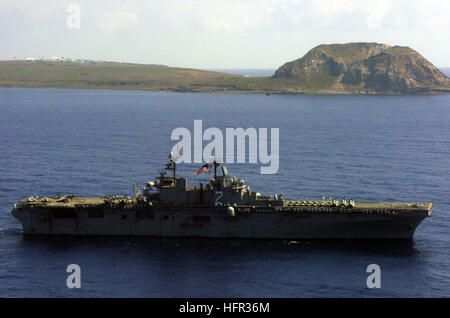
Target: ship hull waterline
x=215, y=223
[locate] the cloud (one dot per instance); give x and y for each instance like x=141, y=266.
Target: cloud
x=219, y=33
x=117, y=20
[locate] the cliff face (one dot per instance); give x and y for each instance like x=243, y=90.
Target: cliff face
x=364, y=68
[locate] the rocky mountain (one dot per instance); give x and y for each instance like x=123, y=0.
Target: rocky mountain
x=364, y=68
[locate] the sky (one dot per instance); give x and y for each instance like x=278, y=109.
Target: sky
x=217, y=34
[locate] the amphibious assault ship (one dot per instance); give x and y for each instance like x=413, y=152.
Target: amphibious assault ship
x=224, y=207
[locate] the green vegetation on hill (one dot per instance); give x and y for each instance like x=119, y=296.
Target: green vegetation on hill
x=332, y=69
x=114, y=76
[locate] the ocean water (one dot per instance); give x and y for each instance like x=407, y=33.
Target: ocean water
x=97, y=142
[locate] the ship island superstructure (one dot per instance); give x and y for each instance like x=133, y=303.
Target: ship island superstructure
x=223, y=207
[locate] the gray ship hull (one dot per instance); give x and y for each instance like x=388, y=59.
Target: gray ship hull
x=215, y=223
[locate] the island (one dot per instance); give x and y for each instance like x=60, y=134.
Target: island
x=351, y=68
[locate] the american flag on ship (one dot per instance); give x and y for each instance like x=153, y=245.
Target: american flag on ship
x=203, y=168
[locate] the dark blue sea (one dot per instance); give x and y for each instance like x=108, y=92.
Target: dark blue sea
x=97, y=142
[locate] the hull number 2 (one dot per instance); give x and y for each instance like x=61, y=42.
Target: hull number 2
x=219, y=195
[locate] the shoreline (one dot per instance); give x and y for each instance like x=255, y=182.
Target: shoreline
x=231, y=92
x=124, y=76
